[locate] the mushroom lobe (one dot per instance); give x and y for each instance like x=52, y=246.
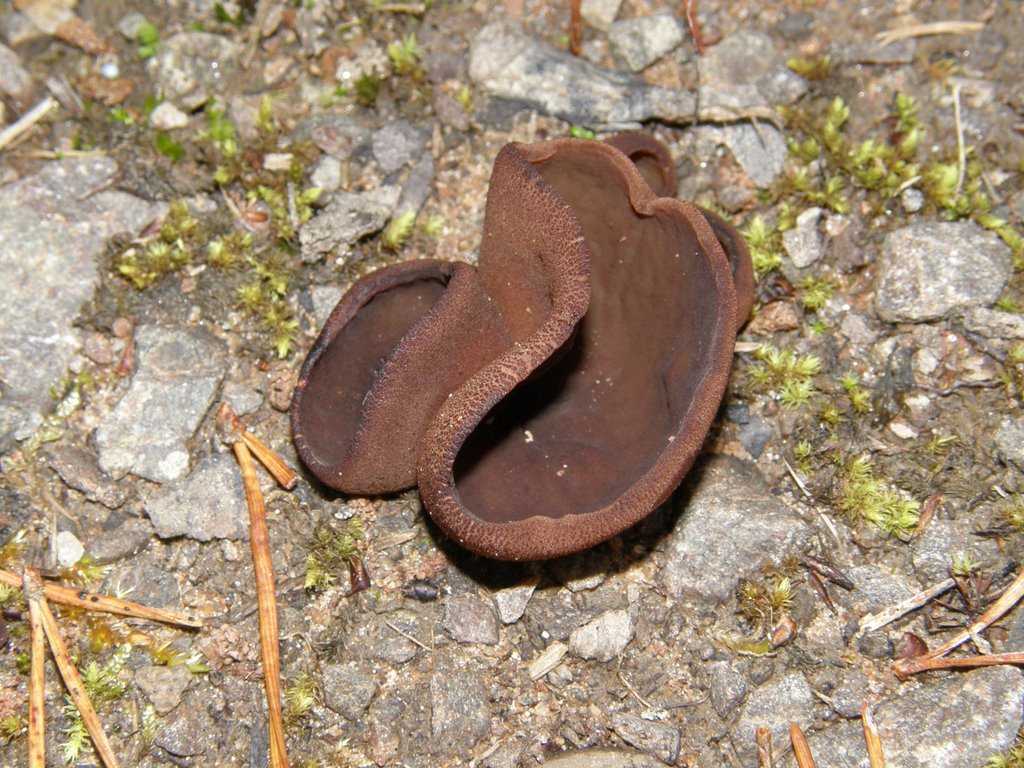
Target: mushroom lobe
x=555, y=395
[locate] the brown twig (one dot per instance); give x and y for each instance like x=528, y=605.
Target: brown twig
x=763, y=740
x=575, y=28
x=26, y=121
x=232, y=428
x=90, y=601
x=689, y=10
x=34, y=593
x=801, y=750
x=904, y=668
x=266, y=601
x=36, y=682
x=995, y=611
x=927, y=30
x=874, y=742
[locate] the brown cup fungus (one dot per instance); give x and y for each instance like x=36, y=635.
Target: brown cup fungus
x=555, y=394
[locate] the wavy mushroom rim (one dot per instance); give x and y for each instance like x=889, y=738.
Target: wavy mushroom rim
x=540, y=537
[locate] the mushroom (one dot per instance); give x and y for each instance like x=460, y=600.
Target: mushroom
x=556, y=394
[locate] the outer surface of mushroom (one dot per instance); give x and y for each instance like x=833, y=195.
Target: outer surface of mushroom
x=556, y=394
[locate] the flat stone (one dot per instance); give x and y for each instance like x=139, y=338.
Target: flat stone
x=761, y=151
x=603, y=638
x=804, y=244
x=324, y=298
x=640, y=42
x=167, y=117
x=163, y=686
x=730, y=527
x=348, y=688
x=603, y=758
x=471, y=620
x=1010, y=440
x=327, y=174
x=79, y=469
x=728, y=687
x=600, y=13
x=69, y=549
x=784, y=699
x=209, y=504
x=188, y=67
x=179, y=370
x=398, y=144
x=951, y=722
x=511, y=601
x=459, y=711
x=508, y=63
x=658, y=739
x=189, y=730
x=933, y=551
x=15, y=81
x=931, y=269
x=54, y=228
x=993, y=323
x=348, y=218
x=417, y=187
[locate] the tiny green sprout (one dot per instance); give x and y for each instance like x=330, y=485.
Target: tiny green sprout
x=432, y=226
x=816, y=292
x=86, y=571
x=165, y=145
x=1012, y=377
x=941, y=443
x=148, y=38
x=835, y=119
x=265, y=115
x=802, y=456
x=331, y=552
x=796, y=393
x=221, y=131
x=579, y=132
x=300, y=696
x=765, y=244
x=122, y=115
x=465, y=97
x=368, y=88
x=818, y=326
x=398, y=230
x=75, y=735
x=817, y=68
x=221, y=176
x=862, y=496
x=150, y=723
x=780, y=594
x=1006, y=304
x=860, y=398
x=222, y=15
x=1011, y=512
x=11, y=727
x=830, y=415
x=963, y=565
x=405, y=56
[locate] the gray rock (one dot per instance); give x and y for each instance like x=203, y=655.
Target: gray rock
x=749, y=57
x=511, y=602
x=867, y=51
x=167, y=117
x=189, y=730
x=993, y=323
x=15, y=81
x=130, y=24
x=348, y=218
x=930, y=269
x=69, y=549
x=348, y=688
x=874, y=589
x=603, y=758
x=955, y=722
x=190, y=67
x=209, y=504
x=760, y=150
x=508, y=63
x=178, y=373
x=417, y=187
x=78, y=469
x=603, y=638
x=875, y=645
x=242, y=399
x=781, y=701
x=731, y=526
x=52, y=231
x=16, y=29
x=755, y=434
x=1010, y=440
x=933, y=551
x=397, y=144
x=327, y=174
x=658, y=739
x=912, y=199
x=728, y=687
x=163, y=686
x=600, y=13
x=148, y=580
x=459, y=711
x=379, y=639
x=638, y=43
x=471, y=620
x=804, y=243
x=123, y=536
x=324, y=298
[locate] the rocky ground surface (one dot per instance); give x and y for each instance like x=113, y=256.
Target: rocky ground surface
x=163, y=250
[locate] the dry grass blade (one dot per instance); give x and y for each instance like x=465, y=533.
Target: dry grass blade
x=927, y=30
x=26, y=121
x=66, y=667
x=90, y=601
x=875, y=757
x=36, y=680
x=763, y=740
x=875, y=621
x=266, y=602
x=906, y=667
x=1006, y=601
x=801, y=751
